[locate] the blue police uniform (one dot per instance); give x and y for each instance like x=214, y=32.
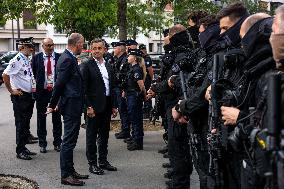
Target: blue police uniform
x=134, y=106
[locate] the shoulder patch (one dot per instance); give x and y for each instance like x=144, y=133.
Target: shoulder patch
x=136, y=75
x=18, y=58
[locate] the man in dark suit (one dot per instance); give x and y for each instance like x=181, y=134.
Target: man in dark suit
x=68, y=94
x=98, y=80
x=43, y=66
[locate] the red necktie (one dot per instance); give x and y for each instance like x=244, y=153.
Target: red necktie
x=49, y=73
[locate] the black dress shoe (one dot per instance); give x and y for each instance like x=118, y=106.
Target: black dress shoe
x=32, y=137
x=107, y=166
x=128, y=140
x=96, y=170
x=166, y=155
x=30, y=153
x=121, y=135
x=57, y=148
x=72, y=181
x=163, y=150
x=31, y=141
x=79, y=176
x=42, y=150
x=166, y=165
x=24, y=156
x=168, y=175
x=134, y=146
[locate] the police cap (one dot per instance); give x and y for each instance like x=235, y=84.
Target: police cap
x=142, y=46
x=135, y=52
x=26, y=41
x=116, y=44
x=130, y=42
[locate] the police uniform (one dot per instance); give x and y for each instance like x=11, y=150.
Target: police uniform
x=135, y=103
x=148, y=63
x=120, y=68
x=21, y=77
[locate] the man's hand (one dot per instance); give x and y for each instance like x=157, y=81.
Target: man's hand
x=91, y=112
x=170, y=81
x=150, y=94
x=229, y=115
x=123, y=94
x=16, y=92
x=207, y=94
x=176, y=115
x=49, y=110
x=182, y=120
x=114, y=112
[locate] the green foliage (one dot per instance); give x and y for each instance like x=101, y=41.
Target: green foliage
x=253, y=6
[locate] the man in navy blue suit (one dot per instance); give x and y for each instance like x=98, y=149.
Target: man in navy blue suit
x=67, y=96
x=44, y=68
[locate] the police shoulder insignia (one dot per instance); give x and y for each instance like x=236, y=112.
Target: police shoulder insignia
x=18, y=58
x=136, y=75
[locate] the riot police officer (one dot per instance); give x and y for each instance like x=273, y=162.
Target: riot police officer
x=135, y=93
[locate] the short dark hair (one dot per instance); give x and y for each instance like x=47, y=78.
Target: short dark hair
x=195, y=16
x=98, y=40
x=234, y=11
x=208, y=20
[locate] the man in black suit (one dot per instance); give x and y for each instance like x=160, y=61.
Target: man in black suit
x=98, y=80
x=68, y=94
x=43, y=65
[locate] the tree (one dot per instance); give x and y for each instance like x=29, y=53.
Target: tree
x=121, y=19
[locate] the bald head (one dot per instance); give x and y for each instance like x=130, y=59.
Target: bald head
x=48, y=46
x=278, y=22
x=250, y=21
x=176, y=29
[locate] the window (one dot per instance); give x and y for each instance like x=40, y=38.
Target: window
x=151, y=47
x=159, y=47
x=29, y=20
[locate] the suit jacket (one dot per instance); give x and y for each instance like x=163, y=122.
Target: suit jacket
x=39, y=70
x=68, y=86
x=95, y=88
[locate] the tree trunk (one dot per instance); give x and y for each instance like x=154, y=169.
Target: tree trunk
x=121, y=19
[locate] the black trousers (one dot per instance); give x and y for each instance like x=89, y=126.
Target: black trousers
x=179, y=152
x=42, y=101
x=97, y=135
x=23, y=110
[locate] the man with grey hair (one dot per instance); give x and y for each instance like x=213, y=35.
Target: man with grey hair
x=67, y=96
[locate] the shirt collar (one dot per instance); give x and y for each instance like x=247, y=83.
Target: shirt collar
x=71, y=53
x=45, y=55
x=99, y=62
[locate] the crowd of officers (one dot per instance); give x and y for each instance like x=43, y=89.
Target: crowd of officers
x=212, y=94
x=220, y=110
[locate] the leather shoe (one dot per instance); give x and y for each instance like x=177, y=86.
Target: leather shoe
x=166, y=155
x=107, y=166
x=79, y=176
x=30, y=153
x=57, y=148
x=24, y=156
x=134, y=146
x=32, y=137
x=121, y=135
x=128, y=140
x=96, y=170
x=42, y=150
x=71, y=181
x=166, y=165
x=31, y=141
x=168, y=175
x=163, y=150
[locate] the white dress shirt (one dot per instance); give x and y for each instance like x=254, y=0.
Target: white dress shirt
x=20, y=72
x=45, y=60
x=103, y=70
